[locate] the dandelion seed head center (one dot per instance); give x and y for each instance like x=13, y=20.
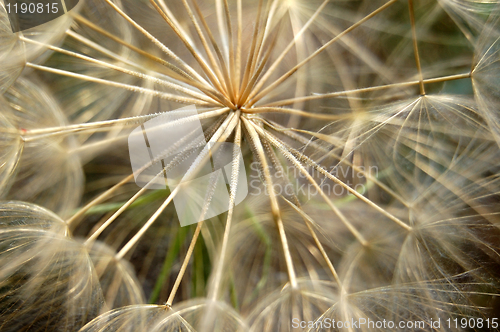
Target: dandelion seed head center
x=237, y=107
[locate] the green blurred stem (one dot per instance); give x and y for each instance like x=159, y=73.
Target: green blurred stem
x=179, y=238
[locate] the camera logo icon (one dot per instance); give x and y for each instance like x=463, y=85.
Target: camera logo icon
x=165, y=152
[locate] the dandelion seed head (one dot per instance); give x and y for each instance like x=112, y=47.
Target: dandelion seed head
x=201, y=315
x=47, y=278
x=17, y=214
x=10, y=150
x=49, y=172
x=117, y=278
x=127, y=319
x=11, y=52
x=315, y=87
x=485, y=74
x=305, y=303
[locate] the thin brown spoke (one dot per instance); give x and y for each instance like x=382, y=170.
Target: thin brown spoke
x=270, y=11
x=244, y=95
x=150, y=78
x=99, y=199
x=170, y=66
x=302, y=169
x=280, y=80
x=308, y=221
x=246, y=72
x=33, y=134
x=222, y=133
x=280, y=58
x=172, y=71
x=238, y=48
x=361, y=90
x=206, y=69
x=225, y=72
x=130, y=244
x=232, y=196
x=232, y=65
x=215, y=66
x=113, y=189
x=184, y=265
x=188, y=147
x=320, y=116
x=298, y=158
x=330, y=152
x=133, y=88
x=155, y=41
x=260, y=154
